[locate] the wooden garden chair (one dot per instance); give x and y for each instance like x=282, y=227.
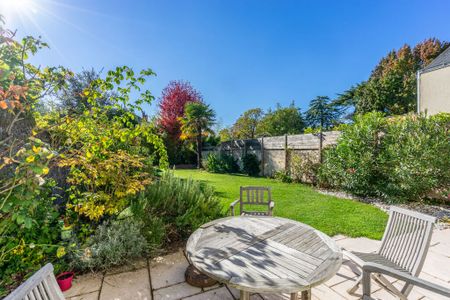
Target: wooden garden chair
x=403, y=249
x=254, y=195
x=42, y=285
x=370, y=268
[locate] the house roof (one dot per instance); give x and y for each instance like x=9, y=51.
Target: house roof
x=443, y=60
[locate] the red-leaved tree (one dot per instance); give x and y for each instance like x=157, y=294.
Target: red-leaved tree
x=173, y=100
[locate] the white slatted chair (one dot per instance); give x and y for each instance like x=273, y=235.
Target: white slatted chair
x=403, y=248
x=370, y=268
x=42, y=285
x=254, y=195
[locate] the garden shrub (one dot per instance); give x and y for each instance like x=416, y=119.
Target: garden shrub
x=213, y=163
x=221, y=163
x=113, y=244
x=180, y=206
x=29, y=228
x=283, y=176
x=304, y=168
x=398, y=159
x=250, y=164
x=108, y=152
x=353, y=163
x=416, y=157
x=27, y=243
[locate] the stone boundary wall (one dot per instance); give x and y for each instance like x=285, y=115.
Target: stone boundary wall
x=274, y=152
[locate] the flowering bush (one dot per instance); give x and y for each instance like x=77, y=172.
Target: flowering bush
x=353, y=163
x=405, y=158
x=304, y=168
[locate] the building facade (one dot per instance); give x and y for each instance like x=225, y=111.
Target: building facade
x=433, y=85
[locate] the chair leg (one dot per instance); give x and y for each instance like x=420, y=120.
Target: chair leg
x=353, y=289
x=294, y=296
x=244, y=295
x=406, y=290
x=389, y=286
x=306, y=295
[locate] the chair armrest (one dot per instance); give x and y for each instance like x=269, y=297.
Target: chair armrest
x=369, y=268
x=232, y=205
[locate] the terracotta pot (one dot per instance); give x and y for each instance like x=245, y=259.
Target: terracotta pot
x=65, y=280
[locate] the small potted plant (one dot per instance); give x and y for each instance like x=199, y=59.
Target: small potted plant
x=64, y=280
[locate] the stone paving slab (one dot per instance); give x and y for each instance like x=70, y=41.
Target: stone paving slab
x=85, y=284
x=168, y=270
x=89, y=296
x=163, y=278
x=177, y=291
x=221, y=293
x=136, y=265
x=359, y=244
x=129, y=285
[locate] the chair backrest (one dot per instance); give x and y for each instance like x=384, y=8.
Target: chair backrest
x=407, y=238
x=42, y=285
x=255, y=195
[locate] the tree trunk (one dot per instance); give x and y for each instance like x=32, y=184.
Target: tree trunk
x=199, y=150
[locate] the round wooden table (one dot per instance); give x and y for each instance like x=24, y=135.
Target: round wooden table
x=264, y=255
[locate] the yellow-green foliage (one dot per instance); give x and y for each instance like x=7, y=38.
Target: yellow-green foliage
x=109, y=153
x=108, y=163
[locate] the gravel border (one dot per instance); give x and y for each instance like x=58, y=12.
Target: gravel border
x=442, y=213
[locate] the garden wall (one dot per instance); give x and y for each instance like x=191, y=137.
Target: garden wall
x=274, y=152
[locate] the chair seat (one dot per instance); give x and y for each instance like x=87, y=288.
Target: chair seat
x=379, y=259
x=254, y=213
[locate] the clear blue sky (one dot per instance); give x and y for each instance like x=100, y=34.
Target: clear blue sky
x=239, y=54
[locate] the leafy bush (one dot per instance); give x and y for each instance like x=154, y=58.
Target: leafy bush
x=180, y=206
x=113, y=244
x=416, y=157
x=221, y=163
x=283, y=176
x=352, y=164
x=250, y=164
x=28, y=243
x=108, y=152
x=399, y=159
x=304, y=168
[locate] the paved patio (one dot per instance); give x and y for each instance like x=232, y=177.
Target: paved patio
x=163, y=278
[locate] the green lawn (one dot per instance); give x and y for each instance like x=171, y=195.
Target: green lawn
x=300, y=202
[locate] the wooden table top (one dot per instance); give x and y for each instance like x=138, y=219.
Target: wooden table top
x=264, y=254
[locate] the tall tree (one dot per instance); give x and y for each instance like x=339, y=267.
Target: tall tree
x=174, y=98
x=245, y=126
x=225, y=134
x=71, y=97
x=282, y=120
x=172, y=104
x=391, y=87
x=198, y=119
x=322, y=114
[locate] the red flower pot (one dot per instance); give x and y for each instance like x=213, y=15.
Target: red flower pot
x=65, y=280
